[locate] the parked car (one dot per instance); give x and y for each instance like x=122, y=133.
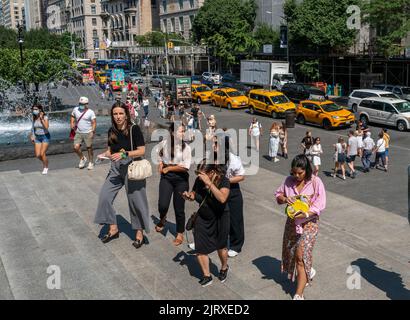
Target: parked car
x=228, y=98
x=214, y=77
x=273, y=103
x=325, y=113
x=201, y=93
x=156, y=81
x=402, y=92
x=300, y=91
x=231, y=81
x=357, y=95
x=388, y=111
x=196, y=80
x=134, y=77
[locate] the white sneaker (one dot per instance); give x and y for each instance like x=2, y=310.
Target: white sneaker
x=232, y=253
x=312, y=274
x=276, y=160
x=45, y=171
x=298, y=297
x=90, y=166
x=191, y=246
x=82, y=163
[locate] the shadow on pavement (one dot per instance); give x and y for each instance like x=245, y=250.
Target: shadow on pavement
x=191, y=262
x=169, y=226
x=270, y=269
x=387, y=281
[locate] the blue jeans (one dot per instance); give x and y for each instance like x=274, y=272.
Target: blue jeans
x=196, y=123
x=380, y=156
x=366, y=159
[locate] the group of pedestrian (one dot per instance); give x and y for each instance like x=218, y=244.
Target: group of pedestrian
x=278, y=137
x=219, y=219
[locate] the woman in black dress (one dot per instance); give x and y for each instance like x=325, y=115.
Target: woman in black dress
x=211, y=230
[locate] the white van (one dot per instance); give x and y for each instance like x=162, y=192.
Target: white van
x=357, y=95
x=388, y=111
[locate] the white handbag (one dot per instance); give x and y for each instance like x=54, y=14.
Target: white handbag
x=138, y=169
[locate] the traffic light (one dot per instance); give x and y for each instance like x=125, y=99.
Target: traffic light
x=170, y=45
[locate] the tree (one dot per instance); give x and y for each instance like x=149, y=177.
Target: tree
x=391, y=21
x=265, y=34
x=320, y=23
x=309, y=69
x=227, y=26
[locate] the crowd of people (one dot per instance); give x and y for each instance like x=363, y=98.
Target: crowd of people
x=219, y=221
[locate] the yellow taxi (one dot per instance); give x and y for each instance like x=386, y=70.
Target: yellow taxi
x=273, y=103
x=100, y=76
x=228, y=98
x=325, y=113
x=201, y=93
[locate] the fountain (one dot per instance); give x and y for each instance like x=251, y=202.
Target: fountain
x=58, y=96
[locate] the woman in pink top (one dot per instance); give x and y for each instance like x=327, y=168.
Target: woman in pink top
x=300, y=233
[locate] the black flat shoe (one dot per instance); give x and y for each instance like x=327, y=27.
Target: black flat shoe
x=138, y=243
x=108, y=237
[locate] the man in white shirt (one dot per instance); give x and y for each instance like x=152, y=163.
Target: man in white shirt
x=83, y=121
x=368, y=145
x=352, y=149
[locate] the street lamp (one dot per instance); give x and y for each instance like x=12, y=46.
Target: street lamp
x=20, y=40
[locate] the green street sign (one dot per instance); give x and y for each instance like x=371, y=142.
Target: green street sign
x=183, y=81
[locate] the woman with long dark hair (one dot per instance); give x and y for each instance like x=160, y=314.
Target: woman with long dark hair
x=175, y=160
x=40, y=136
x=301, y=232
x=211, y=229
x=121, y=152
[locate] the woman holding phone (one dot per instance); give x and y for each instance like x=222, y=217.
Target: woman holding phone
x=174, y=162
x=211, y=229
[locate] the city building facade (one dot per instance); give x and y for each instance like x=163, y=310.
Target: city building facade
x=34, y=14
x=270, y=12
x=177, y=16
x=13, y=13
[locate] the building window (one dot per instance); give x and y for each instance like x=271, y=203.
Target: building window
x=181, y=24
x=93, y=10
x=95, y=34
x=172, y=24
x=164, y=6
x=96, y=55
x=192, y=3
x=134, y=21
x=94, y=20
x=181, y=4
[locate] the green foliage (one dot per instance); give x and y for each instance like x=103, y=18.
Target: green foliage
x=310, y=69
x=265, y=34
x=226, y=26
x=320, y=23
x=391, y=19
x=39, y=65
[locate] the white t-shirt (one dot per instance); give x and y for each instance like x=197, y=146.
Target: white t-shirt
x=381, y=145
x=181, y=158
x=235, y=167
x=316, y=150
x=255, y=129
x=352, y=143
x=85, y=124
x=368, y=143
x=145, y=102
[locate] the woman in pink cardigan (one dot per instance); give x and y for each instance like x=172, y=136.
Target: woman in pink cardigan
x=301, y=232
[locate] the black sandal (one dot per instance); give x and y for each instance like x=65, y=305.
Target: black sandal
x=108, y=237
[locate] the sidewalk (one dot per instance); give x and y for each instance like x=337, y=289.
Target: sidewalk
x=48, y=220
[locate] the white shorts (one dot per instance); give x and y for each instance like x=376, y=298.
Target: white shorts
x=316, y=161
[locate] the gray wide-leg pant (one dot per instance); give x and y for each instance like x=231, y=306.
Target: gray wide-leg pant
x=136, y=194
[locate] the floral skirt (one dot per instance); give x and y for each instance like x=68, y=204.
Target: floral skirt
x=292, y=241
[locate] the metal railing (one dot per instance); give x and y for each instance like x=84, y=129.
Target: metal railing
x=177, y=50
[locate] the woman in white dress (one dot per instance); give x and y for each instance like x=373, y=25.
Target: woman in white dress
x=274, y=140
x=316, y=151
x=255, y=131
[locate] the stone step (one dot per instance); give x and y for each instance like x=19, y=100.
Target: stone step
x=147, y=273
x=22, y=258
x=160, y=248
x=89, y=270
